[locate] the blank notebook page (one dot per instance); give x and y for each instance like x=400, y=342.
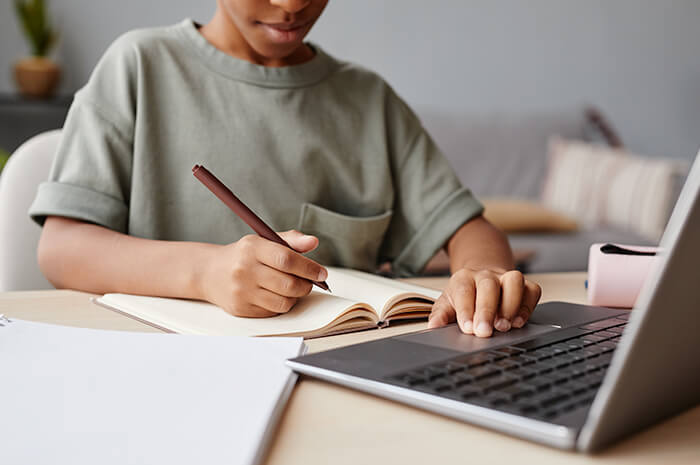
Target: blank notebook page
x=82, y=396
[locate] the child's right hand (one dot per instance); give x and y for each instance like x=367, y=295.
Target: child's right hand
x=254, y=277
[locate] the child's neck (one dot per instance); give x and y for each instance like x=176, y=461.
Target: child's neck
x=223, y=34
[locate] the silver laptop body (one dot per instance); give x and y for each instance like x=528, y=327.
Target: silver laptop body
x=654, y=372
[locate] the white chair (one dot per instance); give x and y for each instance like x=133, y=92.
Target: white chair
x=28, y=166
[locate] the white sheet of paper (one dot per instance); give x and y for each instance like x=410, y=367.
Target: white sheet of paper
x=82, y=396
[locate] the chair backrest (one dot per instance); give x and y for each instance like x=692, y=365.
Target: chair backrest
x=28, y=166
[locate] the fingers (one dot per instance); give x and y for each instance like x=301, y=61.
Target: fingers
x=512, y=289
x=461, y=294
x=299, y=241
x=288, y=261
x=531, y=295
x=281, y=283
x=488, y=296
x=484, y=300
x=249, y=311
x=441, y=314
x=272, y=302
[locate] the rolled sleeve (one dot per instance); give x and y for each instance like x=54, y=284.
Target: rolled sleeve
x=460, y=207
x=60, y=199
x=90, y=175
x=429, y=201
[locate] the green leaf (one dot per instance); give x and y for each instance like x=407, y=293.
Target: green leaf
x=33, y=17
x=4, y=156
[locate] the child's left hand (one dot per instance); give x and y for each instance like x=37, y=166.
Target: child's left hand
x=483, y=299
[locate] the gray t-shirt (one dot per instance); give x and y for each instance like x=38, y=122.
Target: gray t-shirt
x=325, y=147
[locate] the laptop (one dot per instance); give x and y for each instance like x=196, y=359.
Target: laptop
x=575, y=377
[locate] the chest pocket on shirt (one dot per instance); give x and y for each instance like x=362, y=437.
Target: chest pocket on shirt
x=348, y=241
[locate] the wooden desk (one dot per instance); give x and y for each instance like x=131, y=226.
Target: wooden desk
x=324, y=423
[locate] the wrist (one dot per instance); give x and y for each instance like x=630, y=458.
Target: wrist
x=199, y=269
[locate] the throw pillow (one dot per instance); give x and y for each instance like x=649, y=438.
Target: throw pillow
x=599, y=185
x=523, y=216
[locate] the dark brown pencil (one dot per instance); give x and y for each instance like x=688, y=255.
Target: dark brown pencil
x=239, y=208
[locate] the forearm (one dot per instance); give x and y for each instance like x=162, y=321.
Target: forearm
x=478, y=244
x=82, y=256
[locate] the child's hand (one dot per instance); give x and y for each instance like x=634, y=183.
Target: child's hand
x=483, y=299
x=254, y=277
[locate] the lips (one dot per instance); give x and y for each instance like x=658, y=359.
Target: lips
x=285, y=32
x=287, y=26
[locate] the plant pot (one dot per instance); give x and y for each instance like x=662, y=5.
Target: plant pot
x=37, y=77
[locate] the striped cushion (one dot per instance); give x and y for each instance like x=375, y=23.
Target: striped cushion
x=600, y=186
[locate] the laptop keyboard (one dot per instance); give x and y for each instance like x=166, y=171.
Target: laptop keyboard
x=541, y=378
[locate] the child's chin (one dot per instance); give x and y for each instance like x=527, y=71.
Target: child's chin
x=277, y=51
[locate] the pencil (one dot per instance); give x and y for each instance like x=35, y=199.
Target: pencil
x=224, y=194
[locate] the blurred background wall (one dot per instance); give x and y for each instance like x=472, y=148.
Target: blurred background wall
x=637, y=60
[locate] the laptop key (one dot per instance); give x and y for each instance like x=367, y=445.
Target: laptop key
x=576, y=387
x=473, y=360
x=607, y=347
x=453, y=367
x=594, y=338
x=597, y=325
x=483, y=371
x=592, y=351
x=540, y=383
x=559, y=348
x=517, y=391
x=550, y=397
x=617, y=329
x=430, y=373
x=578, y=342
x=606, y=334
x=506, y=364
x=545, y=366
x=549, y=339
x=523, y=360
x=523, y=372
x=462, y=378
x=442, y=386
x=495, y=355
x=489, y=384
x=510, y=351
x=408, y=380
x=543, y=353
x=468, y=392
x=526, y=407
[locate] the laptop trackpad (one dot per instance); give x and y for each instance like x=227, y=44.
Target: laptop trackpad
x=451, y=337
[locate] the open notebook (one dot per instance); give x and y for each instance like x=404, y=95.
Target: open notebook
x=358, y=301
x=84, y=396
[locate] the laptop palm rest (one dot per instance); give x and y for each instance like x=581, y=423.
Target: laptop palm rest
x=451, y=337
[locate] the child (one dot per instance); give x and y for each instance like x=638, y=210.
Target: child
x=307, y=141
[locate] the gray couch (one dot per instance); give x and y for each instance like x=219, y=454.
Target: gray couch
x=506, y=156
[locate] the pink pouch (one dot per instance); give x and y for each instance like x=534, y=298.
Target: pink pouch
x=616, y=273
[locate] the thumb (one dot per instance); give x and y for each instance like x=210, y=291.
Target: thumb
x=300, y=242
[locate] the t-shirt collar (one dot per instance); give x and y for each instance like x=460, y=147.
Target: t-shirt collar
x=305, y=74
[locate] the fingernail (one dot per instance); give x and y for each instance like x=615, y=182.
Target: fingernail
x=502, y=325
x=468, y=327
x=322, y=275
x=518, y=322
x=483, y=329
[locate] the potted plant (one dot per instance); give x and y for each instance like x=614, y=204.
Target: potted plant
x=4, y=156
x=36, y=76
